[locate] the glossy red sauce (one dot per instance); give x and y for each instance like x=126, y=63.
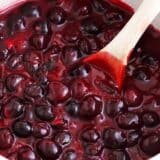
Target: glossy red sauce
x=53, y=107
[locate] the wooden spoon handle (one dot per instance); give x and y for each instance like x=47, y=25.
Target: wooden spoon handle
x=122, y=45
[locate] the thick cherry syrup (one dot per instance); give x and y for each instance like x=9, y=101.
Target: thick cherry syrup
x=53, y=107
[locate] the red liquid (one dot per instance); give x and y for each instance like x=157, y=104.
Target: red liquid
x=54, y=109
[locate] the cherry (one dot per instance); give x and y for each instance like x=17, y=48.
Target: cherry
x=1, y=89
x=150, y=144
x=84, y=8
x=39, y=41
x=129, y=120
x=63, y=138
x=14, y=61
x=90, y=135
x=133, y=97
x=12, y=81
x=70, y=55
x=80, y=71
x=57, y=15
x=72, y=108
x=6, y=138
x=13, y=108
x=48, y=149
x=31, y=61
x=16, y=23
x=151, y=62
x=31, y=10
x=79, y=88
x=22, y=128
x=4, y=52
x=42, y=27
x=33, y=90
x=113, y=18
x=99, y=5
x=25, y=153
x=44, y=113
x=72, y=32
x=114, y=107
x=90, y=107
x=118, y=155
x=58, y=92
x=70, y=155
x=84, y=46
x=150, y=119
x=114, y=139
x=133, y=137
x=41, y=130
x=142, y=74
x=95, y=43
x=90, y=25
x=93, y=149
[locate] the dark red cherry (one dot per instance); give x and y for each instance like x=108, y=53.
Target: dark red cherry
x=79, y=87
x=71, y=32
x=142, y=74
x=58, y=92
x=14, y=61
x=150, y=119
x=118, y=155
x=57, y=15
x=90, y=25
x=114, y=107
x=90, y=135
x=33, y=90
x=39, y=41
x=82, y=8
x=114, y=139
x=48, y=149
x=3, y=53
x=133, y=137
x=150, y=144
x=90, y=107
x=13, y=108
x=44, y=113
x=6, y=138
x=129, y=120
x=95, y=43
x=41, y=129
x=25, y=153
x=70, y=155
x=16, y=23
x=12, y=81
x=94, y=149
x=113, y=18
x=84, y=46
x=1, y=89
x=70, y=55
x=63, y=138
x=31, y=61
x=42, y=27
x=133, y=97
x=80, y=71
x=31, y=10
x=22, y=128
x=99, y=5
x=72, y=108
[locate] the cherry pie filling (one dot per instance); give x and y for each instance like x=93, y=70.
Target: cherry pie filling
x=52, y=106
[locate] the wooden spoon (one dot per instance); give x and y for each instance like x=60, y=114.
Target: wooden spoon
x=113, y=57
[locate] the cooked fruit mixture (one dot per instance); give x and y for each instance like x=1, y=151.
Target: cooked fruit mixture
x=54, y=108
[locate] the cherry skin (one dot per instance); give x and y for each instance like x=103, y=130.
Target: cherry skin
x=48, y=149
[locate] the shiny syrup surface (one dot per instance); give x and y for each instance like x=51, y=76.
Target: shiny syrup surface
x=51, y=108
